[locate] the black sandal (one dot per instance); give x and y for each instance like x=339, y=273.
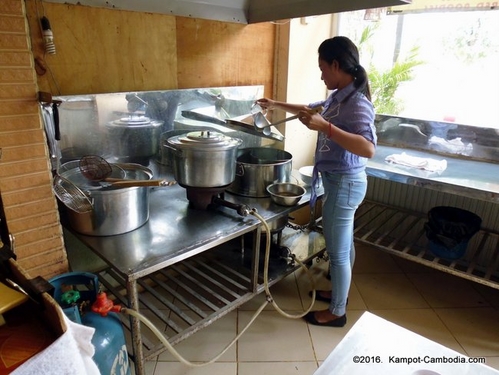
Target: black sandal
x=338, y=322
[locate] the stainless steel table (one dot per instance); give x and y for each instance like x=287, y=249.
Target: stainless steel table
x=164, y=265
x=472, y=178
x=401, y=232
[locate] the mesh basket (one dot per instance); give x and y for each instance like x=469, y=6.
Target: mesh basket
x=72, y=197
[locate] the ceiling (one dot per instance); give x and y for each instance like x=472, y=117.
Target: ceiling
x=238, y=11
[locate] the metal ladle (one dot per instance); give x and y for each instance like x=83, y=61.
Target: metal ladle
x=261, y=123
x=97, y=169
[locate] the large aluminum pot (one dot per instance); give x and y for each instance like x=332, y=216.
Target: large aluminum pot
x=259, y=167
x=115, y=210
x=134, y=139
x=204, y=158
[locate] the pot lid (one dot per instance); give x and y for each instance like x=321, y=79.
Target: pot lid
x=135, y=120
x=205, y=139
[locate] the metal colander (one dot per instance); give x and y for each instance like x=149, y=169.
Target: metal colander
x=72, y=197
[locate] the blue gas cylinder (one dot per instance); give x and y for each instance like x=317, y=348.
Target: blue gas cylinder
x=75, y=292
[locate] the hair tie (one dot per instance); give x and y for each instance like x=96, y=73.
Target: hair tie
x=355, y=70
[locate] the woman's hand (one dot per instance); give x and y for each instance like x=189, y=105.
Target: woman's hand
x=354, y=143
x=313, y=121
x=266, y=103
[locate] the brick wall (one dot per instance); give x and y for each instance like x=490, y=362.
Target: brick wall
x=25, y=178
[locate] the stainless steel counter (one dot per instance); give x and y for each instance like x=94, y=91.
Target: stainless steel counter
x=175, y=231
x=166, y=262
x=472, y=178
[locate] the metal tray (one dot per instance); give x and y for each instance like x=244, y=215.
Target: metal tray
x=243, y=123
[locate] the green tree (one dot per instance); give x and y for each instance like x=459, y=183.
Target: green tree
x=384, y=83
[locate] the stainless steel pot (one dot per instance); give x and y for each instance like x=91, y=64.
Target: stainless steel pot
x=259, y=167
x=115, y=211
x=204, y=158
x=165, y=156
x=134, y=139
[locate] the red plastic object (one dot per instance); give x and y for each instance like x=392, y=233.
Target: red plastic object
x=104, y=305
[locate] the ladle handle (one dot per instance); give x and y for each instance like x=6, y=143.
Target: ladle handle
x=311, y=111
x=134, y=183
x=284, y=120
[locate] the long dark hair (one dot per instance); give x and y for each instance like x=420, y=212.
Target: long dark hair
x=346, y=53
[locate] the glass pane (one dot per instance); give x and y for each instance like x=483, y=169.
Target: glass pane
x=432, y=66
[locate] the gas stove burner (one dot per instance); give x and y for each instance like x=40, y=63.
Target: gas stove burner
x=205, y=198
x=201, y=198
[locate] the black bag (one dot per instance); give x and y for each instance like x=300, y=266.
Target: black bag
x=451, y=226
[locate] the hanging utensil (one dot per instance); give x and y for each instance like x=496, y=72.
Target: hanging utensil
x=50, y=114
x=71, y=196
x=55, y=112
x=97, y=169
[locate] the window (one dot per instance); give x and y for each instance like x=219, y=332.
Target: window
x=440, y=66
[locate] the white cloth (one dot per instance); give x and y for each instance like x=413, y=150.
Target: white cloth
x=454, y=146
x=414, y=162
x=70, y=354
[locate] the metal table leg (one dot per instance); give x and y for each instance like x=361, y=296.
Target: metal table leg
x=257, y=234
x=138, y=350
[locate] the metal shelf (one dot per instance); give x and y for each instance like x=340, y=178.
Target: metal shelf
x=190, y=295
x=401, y=232
x=183, y=298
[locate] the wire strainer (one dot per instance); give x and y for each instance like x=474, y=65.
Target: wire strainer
x=72, y=197
x=95, y=168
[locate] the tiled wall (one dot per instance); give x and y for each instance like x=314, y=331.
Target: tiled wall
x=25, y=178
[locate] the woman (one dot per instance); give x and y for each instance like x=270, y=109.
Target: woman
x=346, y=139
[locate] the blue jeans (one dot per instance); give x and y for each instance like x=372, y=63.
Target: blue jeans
x=342, y=196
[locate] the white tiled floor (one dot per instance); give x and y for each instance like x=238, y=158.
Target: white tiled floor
x=459, y=314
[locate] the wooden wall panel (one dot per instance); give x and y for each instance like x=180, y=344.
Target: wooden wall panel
x=103, y=50
x=224, y=54
x=133, y=51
